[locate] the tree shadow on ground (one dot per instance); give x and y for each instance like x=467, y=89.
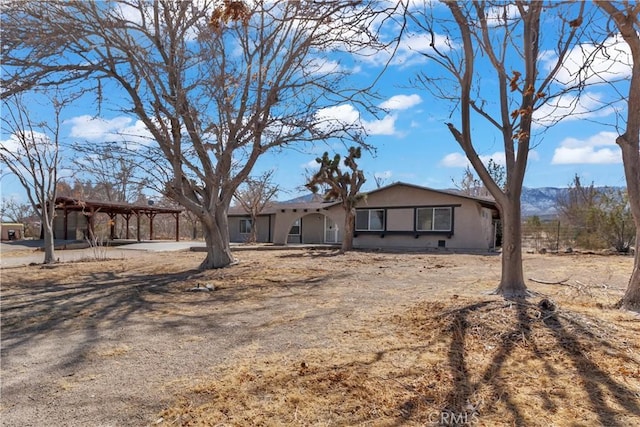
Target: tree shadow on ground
x=98, y=303
x=565, y=334
x=329, y=253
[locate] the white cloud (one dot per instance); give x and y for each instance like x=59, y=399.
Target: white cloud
x=605, y=65
x=569, y=107
x=30, y=141
x=401, y=102
x=119, y=129
x=385, y=126
x=499, y=14
x=311, y=164
x=346, y=114
x=410, y=50
x=459, y=160
x=597, y=149
x=533, y=155
x=455, y=160
x=12, y=144
x=323, y=66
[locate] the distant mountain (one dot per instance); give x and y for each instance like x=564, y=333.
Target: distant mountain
x=307, y=198
x=541, y=201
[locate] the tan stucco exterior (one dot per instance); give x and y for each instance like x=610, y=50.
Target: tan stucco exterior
x=275, y=222
x=472, y=221
x=12, y=231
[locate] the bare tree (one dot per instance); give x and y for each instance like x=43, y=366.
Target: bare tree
x=468, y=183
x=254, y=195
x=13, y=210
x=503, y=40
x=625, y=16
x=216, y=84
x=471, y=185
x=115, y=175
x=381, y=178
x=342, y=185
x=32, y=154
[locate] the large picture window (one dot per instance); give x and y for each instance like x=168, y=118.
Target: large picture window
x=433, y=219
x=245, y=226
x=370, y=220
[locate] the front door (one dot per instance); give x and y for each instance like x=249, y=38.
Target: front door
x=330, y=231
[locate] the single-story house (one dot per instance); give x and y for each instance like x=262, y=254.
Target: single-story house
x=398, y=216
x=12, y=231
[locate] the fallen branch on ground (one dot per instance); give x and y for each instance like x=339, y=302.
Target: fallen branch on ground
x=545, y=282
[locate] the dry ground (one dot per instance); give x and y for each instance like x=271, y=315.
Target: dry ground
x=300, y=337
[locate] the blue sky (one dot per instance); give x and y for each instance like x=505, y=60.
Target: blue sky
x=412, y=142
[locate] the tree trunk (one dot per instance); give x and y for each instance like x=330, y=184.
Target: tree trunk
x=216, y=235
x=253, y=236
x=631, y=161
x=629, y=142
x=49, y=244
x=512, y=281
x=349, y=227
x=631, y=299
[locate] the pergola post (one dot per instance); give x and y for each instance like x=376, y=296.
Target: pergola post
x=89, y=209
x=112, y=225
x=151, y=215
x=177, y=215
x=138, y=221
x=66, y=222
x=126, y=217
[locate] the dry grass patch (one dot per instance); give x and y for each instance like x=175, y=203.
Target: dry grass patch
x=484, y=361
x=298, y=337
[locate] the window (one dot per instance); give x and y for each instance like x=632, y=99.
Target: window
x=370, y=219
x=433, y=219
x=295, y=228
x=245, y=226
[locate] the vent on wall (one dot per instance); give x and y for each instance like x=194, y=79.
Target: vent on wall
x=442, y=243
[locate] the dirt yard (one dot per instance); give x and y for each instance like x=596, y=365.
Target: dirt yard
x=309, y=337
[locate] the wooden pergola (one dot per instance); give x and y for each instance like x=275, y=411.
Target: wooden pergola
x=89, y=208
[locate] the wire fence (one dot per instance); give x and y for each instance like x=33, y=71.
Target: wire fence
x=559, y=236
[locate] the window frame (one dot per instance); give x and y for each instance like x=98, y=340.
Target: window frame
x=383, y=220
x=433, y=210
x=243, y=225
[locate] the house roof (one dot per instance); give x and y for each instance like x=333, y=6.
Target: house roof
x=317, y=204
x=75, y=204
x=271, y=208
x=484, y=201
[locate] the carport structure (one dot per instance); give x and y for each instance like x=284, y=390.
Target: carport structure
x=89, y=208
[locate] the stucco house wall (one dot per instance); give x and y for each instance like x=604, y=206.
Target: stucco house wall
x=12, y=231
x=469, y=223
x=276, y=220
x=472, y=220
x=265, y=228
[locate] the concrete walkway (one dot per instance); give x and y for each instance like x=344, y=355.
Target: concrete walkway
x=26, y=252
